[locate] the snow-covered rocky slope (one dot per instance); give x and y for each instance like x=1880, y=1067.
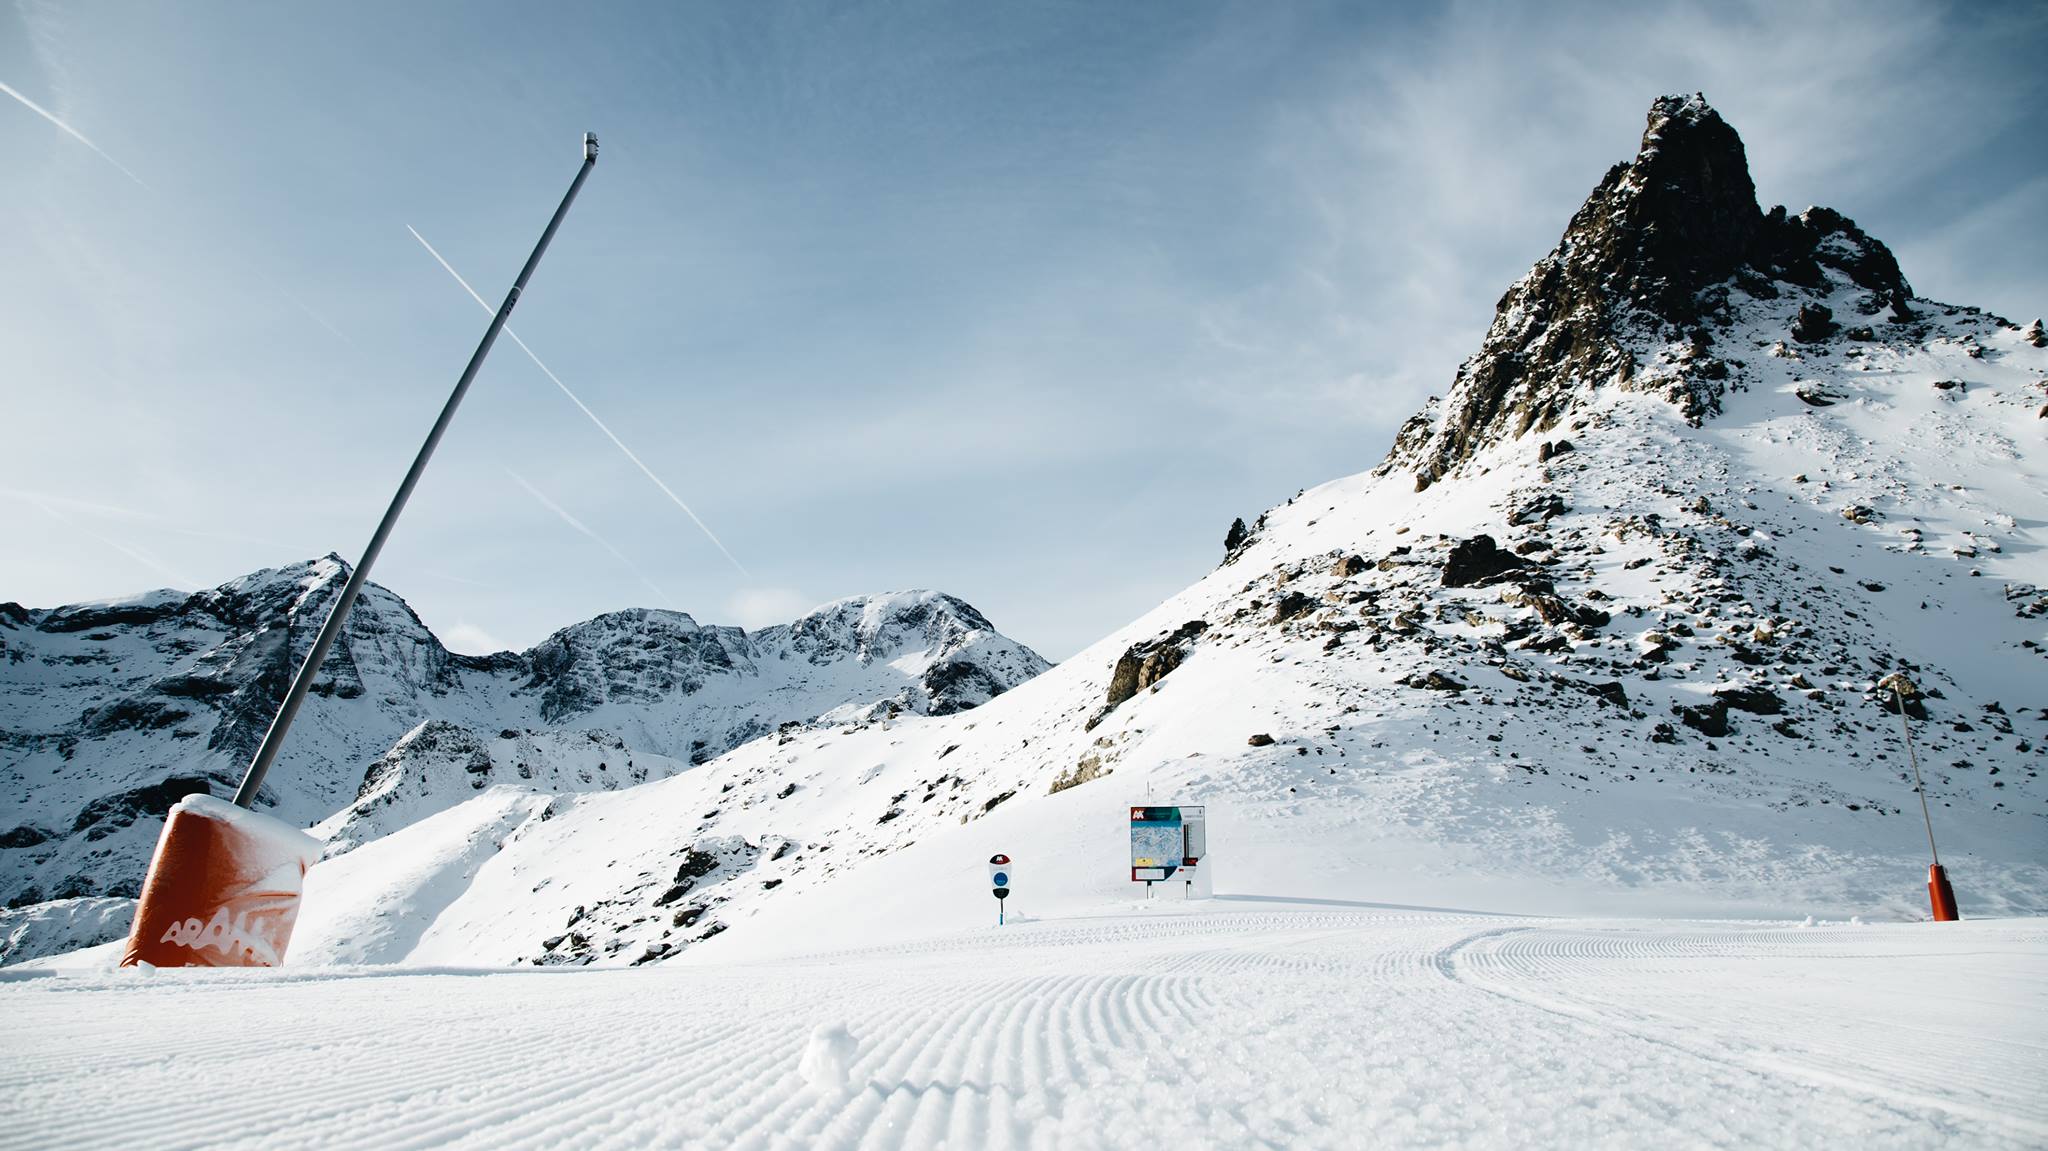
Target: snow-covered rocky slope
x=109, y=712
x=1603, y=633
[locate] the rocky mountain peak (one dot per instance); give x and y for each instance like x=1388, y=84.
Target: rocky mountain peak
x=1682, y=216
x=1649, y=259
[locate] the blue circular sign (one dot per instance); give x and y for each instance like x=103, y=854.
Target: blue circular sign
x=1001, y=878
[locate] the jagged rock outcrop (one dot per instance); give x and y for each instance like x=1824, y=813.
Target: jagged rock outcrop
x=1235, y=538
x=1144, y=664
x=1479, y=561
x=1634, y=292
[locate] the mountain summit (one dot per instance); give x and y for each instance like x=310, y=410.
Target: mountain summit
x=1651, y=256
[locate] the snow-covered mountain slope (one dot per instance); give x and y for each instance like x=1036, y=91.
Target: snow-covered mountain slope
x=1603, y=633
x=112, y=711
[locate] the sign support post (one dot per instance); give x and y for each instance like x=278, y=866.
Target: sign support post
x=1000, y=873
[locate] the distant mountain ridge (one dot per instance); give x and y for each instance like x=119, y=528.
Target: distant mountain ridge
x=113, y=710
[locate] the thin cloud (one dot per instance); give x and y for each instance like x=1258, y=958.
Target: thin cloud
x=74, y=133
x=585, y=409
x=758, y=607
x=178, y=579
x=470, y=639
x=580, y=526
x=49, y=501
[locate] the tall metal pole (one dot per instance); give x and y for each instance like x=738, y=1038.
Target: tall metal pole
x=1899, y=692
x=245, y=796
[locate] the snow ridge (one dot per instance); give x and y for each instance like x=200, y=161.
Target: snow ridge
x=114, y=710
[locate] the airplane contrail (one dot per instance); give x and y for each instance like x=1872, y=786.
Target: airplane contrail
x=178, y=580
x=49, y=502
x=580, y=526
x=616, y=441
x=317, y=318
x=74, y=133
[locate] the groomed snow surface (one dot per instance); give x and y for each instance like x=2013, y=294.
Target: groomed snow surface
x=1236, y=1022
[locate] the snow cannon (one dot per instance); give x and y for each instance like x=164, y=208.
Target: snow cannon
x=223, y=888
x=1940, y=895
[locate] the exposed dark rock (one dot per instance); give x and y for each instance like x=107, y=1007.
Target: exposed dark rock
x=1292, y=604
x=133, y=714
x=957, y=685
x=151, y=801
x=1916, y=706
x=1814, y=323
x=1542, y=510
x=1144, y=664
x=1709, y=719
x=1478, y=561
x=1236, y=537
x=25, y=836
x=1553, y=610
x=695, y=866
x=1349, y=566
x=1260, y=740
x=1609, y=693
x=1433, y=681
x=1754, y=700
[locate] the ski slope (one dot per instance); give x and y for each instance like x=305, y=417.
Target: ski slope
x=1236, y=1022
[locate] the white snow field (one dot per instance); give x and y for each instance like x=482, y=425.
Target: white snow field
x=1237, y=1022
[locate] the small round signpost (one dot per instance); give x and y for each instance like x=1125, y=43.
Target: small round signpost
x=999, y=874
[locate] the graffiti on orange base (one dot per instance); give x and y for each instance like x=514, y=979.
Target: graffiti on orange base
x=250, y=936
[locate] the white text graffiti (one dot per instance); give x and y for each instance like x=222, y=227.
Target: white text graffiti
x=244, y=934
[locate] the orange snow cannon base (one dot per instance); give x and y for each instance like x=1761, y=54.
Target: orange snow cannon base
x=1940, y=894
x=223, y=888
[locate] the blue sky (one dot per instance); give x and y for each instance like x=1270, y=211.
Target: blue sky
x=1022, y=301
